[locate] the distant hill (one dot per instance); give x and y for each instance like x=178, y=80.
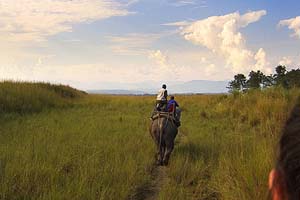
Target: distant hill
x=195, y=86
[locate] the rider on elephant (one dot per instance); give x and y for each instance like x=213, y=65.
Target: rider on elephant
x=161, y=99
x=173, y=107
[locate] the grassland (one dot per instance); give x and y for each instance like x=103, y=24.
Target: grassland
x=80, y=146
x=26, y=97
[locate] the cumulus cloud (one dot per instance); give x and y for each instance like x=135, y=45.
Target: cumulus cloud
x=34, y=20
x=292, y=24
x=169, y=67
x=290, y=62
x=221, y=35
x=285, y=61
x=164, y=68
x=262, y=63
x=159, y=57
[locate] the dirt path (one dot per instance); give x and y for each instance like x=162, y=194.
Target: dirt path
x=159, y=177
x=151, y=191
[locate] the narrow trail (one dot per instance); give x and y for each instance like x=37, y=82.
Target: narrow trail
x=151, y=190
x=159, y=177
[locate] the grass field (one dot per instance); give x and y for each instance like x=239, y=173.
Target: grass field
x=69, y=145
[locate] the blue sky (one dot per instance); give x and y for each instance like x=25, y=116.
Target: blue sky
x=99, y=44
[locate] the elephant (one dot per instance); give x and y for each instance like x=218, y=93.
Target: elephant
x=163, y=131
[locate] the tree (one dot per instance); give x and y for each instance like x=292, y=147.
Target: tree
x=255, y=80
x=238, y=84
x=280, y=76
x=267, y=81
x=280, y=70
x=293, y=78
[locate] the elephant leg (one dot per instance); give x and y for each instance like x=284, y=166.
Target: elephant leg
x=169, y=149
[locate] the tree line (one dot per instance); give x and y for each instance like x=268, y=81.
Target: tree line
x=256, y=80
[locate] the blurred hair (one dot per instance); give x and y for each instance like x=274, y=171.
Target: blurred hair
x=288, y=161
x=172, y=97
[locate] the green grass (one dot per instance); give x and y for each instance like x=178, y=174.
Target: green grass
x=91, y=151
x=98, y=147
x=26, y=97
x=228, y=145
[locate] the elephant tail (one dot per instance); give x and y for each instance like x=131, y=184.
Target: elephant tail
x=163, y=123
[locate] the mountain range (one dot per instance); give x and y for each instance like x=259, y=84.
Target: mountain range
x=150, y=87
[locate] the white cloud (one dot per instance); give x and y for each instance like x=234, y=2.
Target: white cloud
x=203, y=59
x=178, y=23
x=181, y=67
x=133, y=44
x=262, y=63
x=41, y=59
x=162, y=66
x=194, y=3
x=291, y=62
x=292, y=24
x=25, y=23
x=198, y=64
x=221, y=35
x=81, y=73
x=164, y=69
x=35, y=20
x=160, y=58
x=183, y=3
x=130, y=2
x=210, y=70
x=285, y=61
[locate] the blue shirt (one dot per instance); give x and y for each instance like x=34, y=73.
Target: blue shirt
x=171, y=102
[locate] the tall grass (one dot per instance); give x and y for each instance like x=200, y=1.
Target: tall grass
x=228, y=144
x=25, y=97
x=100, y=147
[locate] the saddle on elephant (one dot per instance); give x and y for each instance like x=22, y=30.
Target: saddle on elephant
x=172, y=111
x=168, y=115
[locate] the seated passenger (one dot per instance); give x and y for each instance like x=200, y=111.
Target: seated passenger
x=172, y=104
x=161, y=99
x=173, y=107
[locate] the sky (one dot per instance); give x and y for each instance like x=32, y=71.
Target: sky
x=105, y=44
